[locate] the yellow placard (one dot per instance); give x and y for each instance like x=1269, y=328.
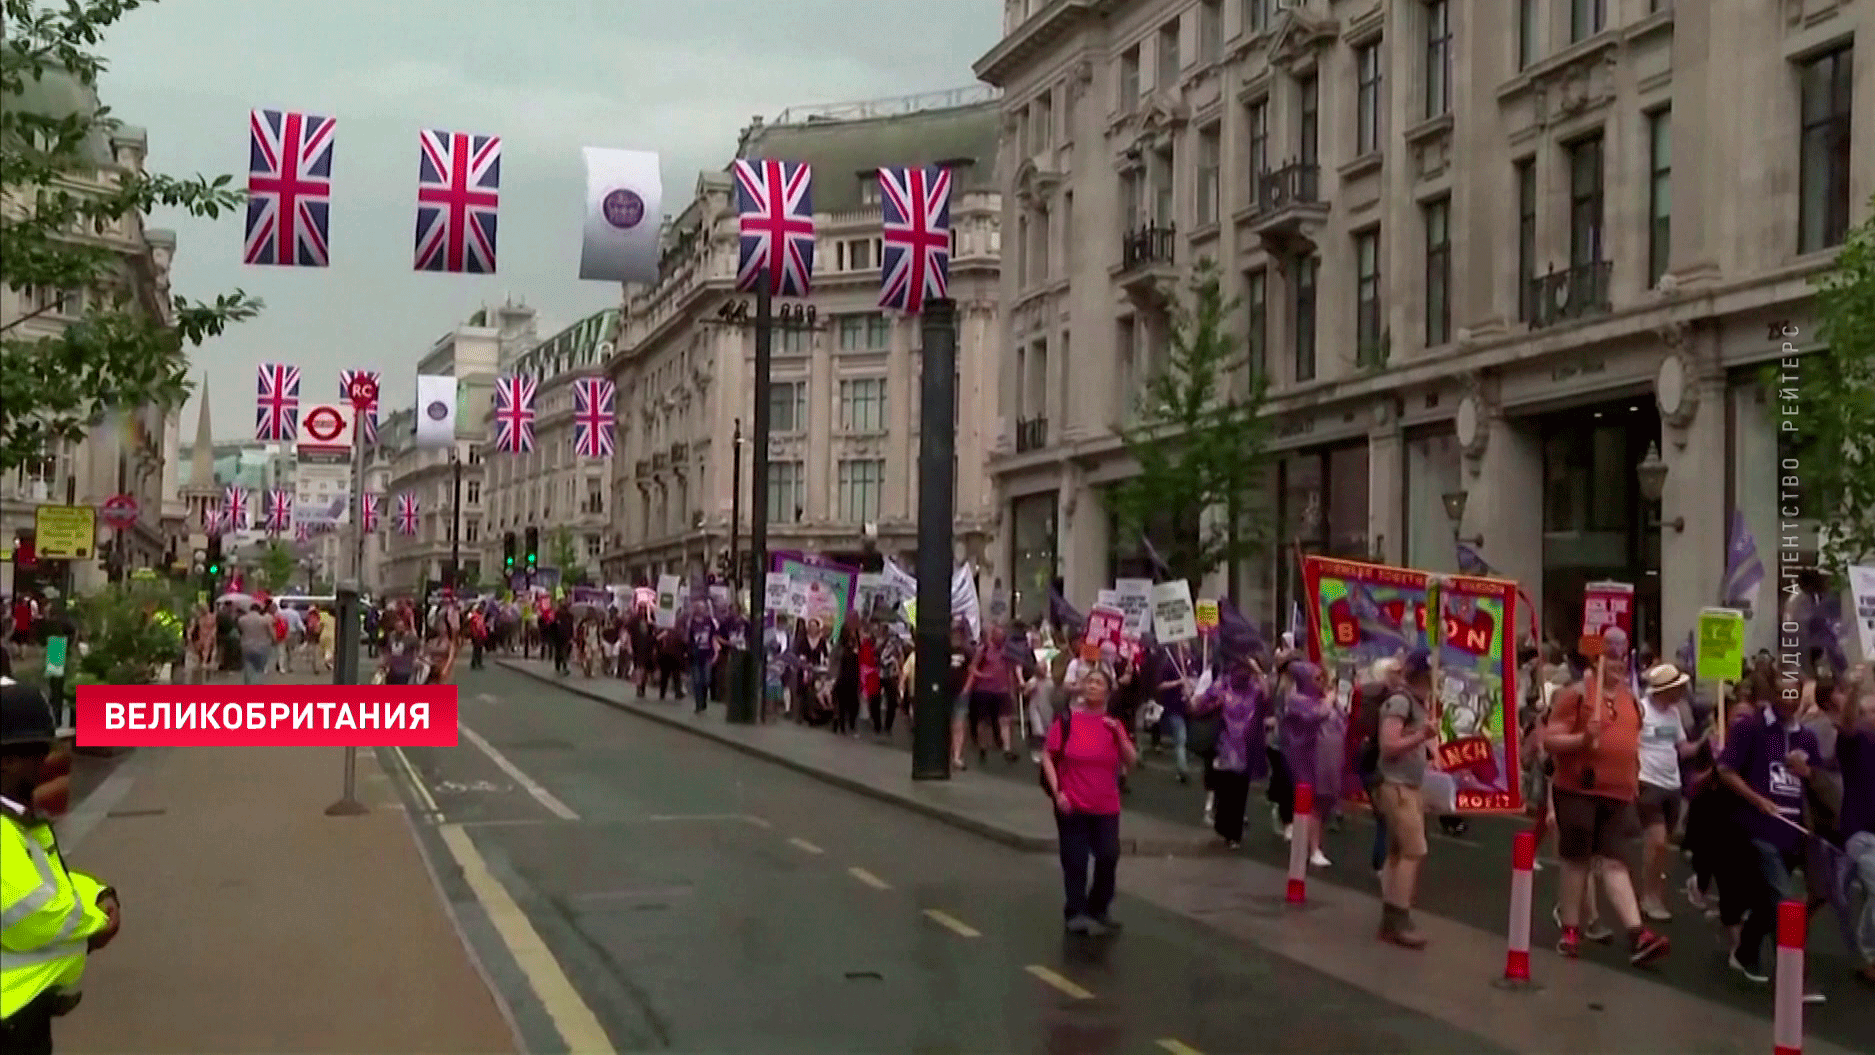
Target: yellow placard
x=1721, y=644
x=1207, y=614
x=66, y=532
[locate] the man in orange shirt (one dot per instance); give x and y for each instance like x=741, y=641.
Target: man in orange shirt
x=1594, y=735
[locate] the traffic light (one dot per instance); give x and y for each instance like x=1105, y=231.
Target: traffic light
x=214, y=556
x=533, y=548
x=507, y=551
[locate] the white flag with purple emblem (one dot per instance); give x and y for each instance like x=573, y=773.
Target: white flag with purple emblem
x=624, y=203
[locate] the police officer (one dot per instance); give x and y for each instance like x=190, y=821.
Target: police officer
x=50, y=916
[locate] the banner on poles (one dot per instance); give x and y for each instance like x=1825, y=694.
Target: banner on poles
x=1360, y=613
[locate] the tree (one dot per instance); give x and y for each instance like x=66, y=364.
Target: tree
x=566, y=558
x=277, y=565
x=119, y=353
x=1834, y=412
x=1199, y=437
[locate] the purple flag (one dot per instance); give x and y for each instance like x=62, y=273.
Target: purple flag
x=1237, y=640
x=1471, y=563
x=1744, y=571
x=1063, y=614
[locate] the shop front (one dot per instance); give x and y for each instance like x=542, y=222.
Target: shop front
x=1034, y=546
x=1432, y=471
x=1322, y=508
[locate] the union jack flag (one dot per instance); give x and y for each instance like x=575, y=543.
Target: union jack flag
x=916, y=260
x=368, y=414
x=775, y=207
x=595, y=410
x=368, y=512
x=234, y=502
x=276, y=403
x=279, y=509
x=302, y=532
x=289, y=187
x=406, y=514
x=514, y=413
x=212, y=521
x=458, y=184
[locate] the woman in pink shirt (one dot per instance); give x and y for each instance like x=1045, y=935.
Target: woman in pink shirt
x=1082, y=761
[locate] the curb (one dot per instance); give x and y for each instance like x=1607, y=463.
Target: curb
x=963, y=821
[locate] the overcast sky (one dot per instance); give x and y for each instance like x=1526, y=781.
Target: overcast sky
x=548, y=76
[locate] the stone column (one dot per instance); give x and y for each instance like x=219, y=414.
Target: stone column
x=823, y=413
x=1386, y=477
x=1693, y=445
x=1082, y=527
x=1503, y=477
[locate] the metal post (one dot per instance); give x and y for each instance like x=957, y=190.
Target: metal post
x=358, y=499
x=455, y=526
x=345, y=672
x=745, y=706
x=735, y=508
x=937, y=444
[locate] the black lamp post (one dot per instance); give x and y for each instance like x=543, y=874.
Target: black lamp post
x=735, y=507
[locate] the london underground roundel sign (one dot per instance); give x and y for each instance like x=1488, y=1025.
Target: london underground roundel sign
x=323, y=424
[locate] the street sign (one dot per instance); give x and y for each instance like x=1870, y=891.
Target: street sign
x=362, y=391
x=325, y=430
x=120, y=511
x=66, y=532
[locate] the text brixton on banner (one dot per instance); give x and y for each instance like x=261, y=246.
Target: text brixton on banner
x=624, y=213
x=1721, y=648
x=1366, y=612
x=1173, y=619
x=1135, y=597
x=775, y=594
x=1862, y=607
x=1105, y=626
x=837, y=584
x=1605, y=605
x=668, y=585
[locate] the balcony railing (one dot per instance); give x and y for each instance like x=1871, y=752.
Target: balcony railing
x=1143, y=246
x=1031, y=434
x=1297, y=183
x=1576, y=292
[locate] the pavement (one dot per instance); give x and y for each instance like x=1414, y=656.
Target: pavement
x=1464, y=892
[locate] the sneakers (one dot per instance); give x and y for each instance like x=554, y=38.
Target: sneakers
x=1654, y=909
x=1695, y=896
x=1752, y=973
x=1648, y=947
x=1396, y=927
x=1570, y=944
x=1089, y=927
x=1319, y=859
x=1276, y=822
x=1596, y=931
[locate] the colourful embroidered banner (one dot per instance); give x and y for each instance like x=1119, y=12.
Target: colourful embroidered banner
x=1362, y=613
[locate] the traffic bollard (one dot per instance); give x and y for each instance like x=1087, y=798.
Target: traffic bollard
x=1299, y=842
x=1522, y=897
x=1793, y=922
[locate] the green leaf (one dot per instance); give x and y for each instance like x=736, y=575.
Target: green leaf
x=1833, y=414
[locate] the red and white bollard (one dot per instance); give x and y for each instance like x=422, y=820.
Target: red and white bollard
x=1522, y=895
x=1300, y=841
x=1793, y=923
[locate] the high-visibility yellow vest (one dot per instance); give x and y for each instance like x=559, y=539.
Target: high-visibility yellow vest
x=47, y=914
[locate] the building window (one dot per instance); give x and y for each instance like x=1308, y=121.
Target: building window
x=864, y=333
x=1367, y=351
x=856, y=254
x=1166, y=61
x=1828, y=82
x=791, y=341
x=1129, y=79
x=862, y=405
x=1042, y=122
x=1585, y=201
x=1256, y=15
x=1438, y=217
x=594, y=546
x=1526, y=239
x=1164, y=184
x=860, y=482
x=1211, y=30
x=787, y=406
x=1259, y=142
x=1132, y=200
x=787, y=492
x=1659, y=194
x=1305, y=270
x=1210, y=159
x=595, y=498
x=869, y=189
x=1438, y=58
x=1526, y=33
x=1586, y=18
x=472, y=492
x=1367, y=102
x=1257, y=321
x=1308, y=119
x=471, y=530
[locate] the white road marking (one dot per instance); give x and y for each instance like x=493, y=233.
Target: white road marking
x=805, y=847
x=578, y=1027
x=528, y=784
x=485, y=697
x=1178, y=1047
x=1058, y=982
x=952, y=923
x=869, y=879
x=421, y=789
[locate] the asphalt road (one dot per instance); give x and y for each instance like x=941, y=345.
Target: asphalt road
x=1467, y=879
x=700, y=900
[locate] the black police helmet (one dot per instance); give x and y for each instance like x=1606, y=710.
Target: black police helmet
x=25, y=716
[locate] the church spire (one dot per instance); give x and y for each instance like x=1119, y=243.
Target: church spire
x=202, y=456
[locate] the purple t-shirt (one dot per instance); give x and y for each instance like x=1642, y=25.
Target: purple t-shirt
x=1755, y=750
x=1855, y=753
x=735, y=630
x=702, y=635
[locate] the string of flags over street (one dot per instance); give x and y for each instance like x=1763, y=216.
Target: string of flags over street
x=291, y=181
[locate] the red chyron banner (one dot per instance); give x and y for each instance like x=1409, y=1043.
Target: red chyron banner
x=266, y=716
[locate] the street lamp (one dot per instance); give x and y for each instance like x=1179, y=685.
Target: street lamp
x=734, y=575
x=1652, y=472
x=1455, y=510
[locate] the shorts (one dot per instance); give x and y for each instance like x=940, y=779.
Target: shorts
x=987, y=707
x=1658, y=805
x=1404, y=812
x=1593, y=826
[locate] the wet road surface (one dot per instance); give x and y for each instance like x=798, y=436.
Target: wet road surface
x=700, y=900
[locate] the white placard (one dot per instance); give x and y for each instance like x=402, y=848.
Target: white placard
x=775, y=594
x=797, y=599
x=1107, y=599
x=1134, y=597
x=1174, y=618
x=1862, y=605
x=668, y=590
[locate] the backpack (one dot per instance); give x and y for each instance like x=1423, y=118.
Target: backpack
x=1063, y=721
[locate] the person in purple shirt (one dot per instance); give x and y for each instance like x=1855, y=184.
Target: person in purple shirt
x=1766, y=763
x=705, y=638
x=1174, y=699
x=733, y=630
x=1855, y=755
